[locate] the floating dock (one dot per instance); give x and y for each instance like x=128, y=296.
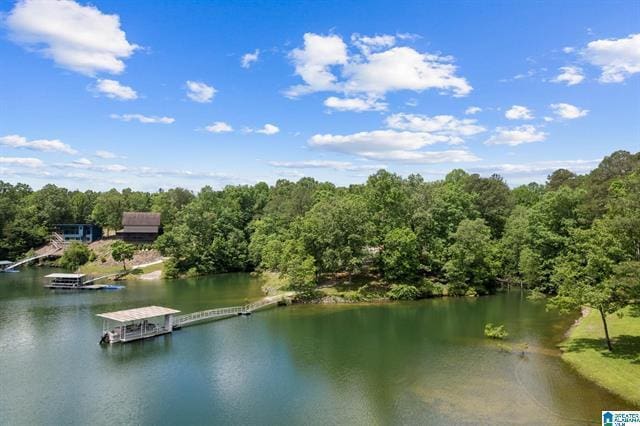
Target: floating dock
x=78, y=282
x=136, y=324
x=141, y=323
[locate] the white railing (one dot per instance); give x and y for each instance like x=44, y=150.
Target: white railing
x=184, y=320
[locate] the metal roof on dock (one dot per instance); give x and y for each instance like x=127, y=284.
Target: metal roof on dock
x=58, y=275
x=138, y=313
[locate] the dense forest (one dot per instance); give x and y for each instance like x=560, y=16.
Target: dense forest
x=473, y=233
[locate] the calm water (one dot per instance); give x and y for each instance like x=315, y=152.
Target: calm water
x=413, y=363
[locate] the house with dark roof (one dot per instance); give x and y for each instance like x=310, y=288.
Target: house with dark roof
x=140, y=227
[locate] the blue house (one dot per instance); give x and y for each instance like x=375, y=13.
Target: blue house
x=83, y=232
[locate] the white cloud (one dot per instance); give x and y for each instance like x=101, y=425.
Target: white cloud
x=570, y=75
x=367, y=44
x=47, y=145
x=425, y=157
x=617, y=58
x=314, y=60
x=406, y=136
x=268, y=129
x=198, y=91
x=105, y=154
x=403, y=68
x=516, y=135
x=568, y=111
x=324, y=64
x=538, y=167
x=78, y=38
x=568, y=49
x=249, y=58
x=518, y=112
x=376, y=140
x=441, y=125
x=117, y=168
x=326, y=164
x=143, y=118
x=472, y=110
x=22, y=161
x=114, y=90
x=354, y=104
x=219, y=127
x=83, y=162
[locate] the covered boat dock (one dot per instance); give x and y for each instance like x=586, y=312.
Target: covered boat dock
x=135, y=324
x=65, y=281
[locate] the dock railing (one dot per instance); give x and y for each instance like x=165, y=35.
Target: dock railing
x=211, y=314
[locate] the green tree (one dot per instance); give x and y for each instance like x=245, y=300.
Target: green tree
x=493, y=200
x=108, y=209
x=334, y=232
x=75, y=255
x=121, y=252
x=472, y=261
x=400, y=255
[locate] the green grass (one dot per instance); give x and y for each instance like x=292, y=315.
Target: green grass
x=272, y=283
x=618, y=371
x=96, y=268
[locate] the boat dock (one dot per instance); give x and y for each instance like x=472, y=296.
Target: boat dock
x=136, y=324
x=78, y=282
x=142, y=323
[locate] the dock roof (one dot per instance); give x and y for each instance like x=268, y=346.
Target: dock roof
x=138, y=313
x=5, y=262
x=57, y=275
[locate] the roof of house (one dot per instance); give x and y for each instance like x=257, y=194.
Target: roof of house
x=138, y=313
x=139, y=230
x=57, y=275
x=140, y=219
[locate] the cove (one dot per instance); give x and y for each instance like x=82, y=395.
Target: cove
x=424, y=362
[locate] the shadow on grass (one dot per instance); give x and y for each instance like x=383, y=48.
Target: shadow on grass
x=624, y=347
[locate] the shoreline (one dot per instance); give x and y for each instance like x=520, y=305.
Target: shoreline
x=584, y=350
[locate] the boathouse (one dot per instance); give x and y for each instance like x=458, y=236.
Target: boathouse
x=139, y=227
x=135, y=324
x=83, y=232
x=65, y=281
x=4, y=264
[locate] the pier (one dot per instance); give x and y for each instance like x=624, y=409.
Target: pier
x=138, y=323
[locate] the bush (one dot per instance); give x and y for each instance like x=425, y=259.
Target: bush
x=170, y=269
x=495, y=331
x=74, y=256
x=472, y=292
x=536, y=294
x=403, y=292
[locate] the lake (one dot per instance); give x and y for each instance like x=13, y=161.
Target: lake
x=423, y=362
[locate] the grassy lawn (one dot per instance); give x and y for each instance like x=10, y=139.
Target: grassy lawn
x=96, y=269
x=586, y=351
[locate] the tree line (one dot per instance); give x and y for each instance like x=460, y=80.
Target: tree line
x=471, y=232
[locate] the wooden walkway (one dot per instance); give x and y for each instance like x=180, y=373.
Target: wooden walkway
x=213, y=314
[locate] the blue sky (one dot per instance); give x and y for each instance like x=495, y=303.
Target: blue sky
x=151, y=94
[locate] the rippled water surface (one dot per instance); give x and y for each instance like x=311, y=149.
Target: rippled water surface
x=422, y=362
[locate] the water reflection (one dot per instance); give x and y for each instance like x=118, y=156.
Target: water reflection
x=371, y=364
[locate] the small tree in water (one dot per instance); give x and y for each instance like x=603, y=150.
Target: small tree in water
x=121, y=252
